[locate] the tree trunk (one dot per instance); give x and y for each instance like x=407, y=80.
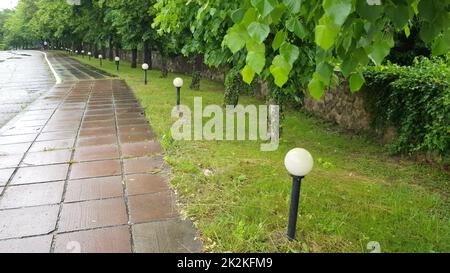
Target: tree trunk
x=111, y=49
x=164, y=69
x=197, y=73
x=134, y=56
x=117, y=49
x=148, y=54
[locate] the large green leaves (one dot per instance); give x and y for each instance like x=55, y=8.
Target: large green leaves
x=256, y=56
x=279, y=39
x=280, y=70
x=293, y=5
x=289, y=52
x=337, y=10
x=356, y=81
x=258, y=31
x=326, y=35
x=248, y=74
x=236, y=38
x=380, y=50
x=294, y=25
x=316, y=87
x=265, y=7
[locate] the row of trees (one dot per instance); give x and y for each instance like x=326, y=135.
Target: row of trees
x=291, y=44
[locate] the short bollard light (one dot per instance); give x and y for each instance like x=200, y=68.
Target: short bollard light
x=100, y=57
x=82, y=53
x=89, y=55
x=76, y=52
x=178, y=83
x=117, y=59
x=299, y=163
x=145, y=68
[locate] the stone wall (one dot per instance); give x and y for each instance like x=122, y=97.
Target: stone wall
x=341, y=106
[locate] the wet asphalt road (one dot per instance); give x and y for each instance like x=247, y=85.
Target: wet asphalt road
x=25, y=75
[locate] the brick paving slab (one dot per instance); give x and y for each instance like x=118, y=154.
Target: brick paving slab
x=108, y=240
x=94, y=189
x=18, y=223
x=39, y=244
x=171, y=236
x=81, y=171
x=32, y=195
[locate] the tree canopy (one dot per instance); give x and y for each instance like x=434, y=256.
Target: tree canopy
x=285, y=42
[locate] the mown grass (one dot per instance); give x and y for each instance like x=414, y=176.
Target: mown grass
x=356, y=193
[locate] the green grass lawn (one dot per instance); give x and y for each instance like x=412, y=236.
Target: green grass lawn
x=356, y=193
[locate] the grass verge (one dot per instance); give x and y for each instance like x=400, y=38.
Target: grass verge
x=356, y=193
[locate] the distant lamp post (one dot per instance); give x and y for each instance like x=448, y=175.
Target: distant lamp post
x=76, y=52
x=100, y=57
x=89, y=55
x=145, y=68
x=82, y=53
x=299, y=163
x=45, y=45
x=117, y=60
x=178, y=83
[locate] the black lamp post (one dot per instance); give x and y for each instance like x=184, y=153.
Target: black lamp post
x=117, y=59
x=178, y=83
x=145, y=68
x=299, y=164
x=100, y=57
x=89, y=55
x=82, y=54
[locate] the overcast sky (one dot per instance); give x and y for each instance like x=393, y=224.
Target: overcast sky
x=8, y=4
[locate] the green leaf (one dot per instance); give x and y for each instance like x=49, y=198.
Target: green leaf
x=407, y=31
x=236, y=38
x=399, y=15
x=325, y=36
x=369, y=12
x=249, y=17
x=256, y=61
x=234, y=41
x=265, y=7
x=237, y=15
x=277, y=14
x=293, y=5
x=337, y=10
x=289, y=52
x=324, y=71
x=279, y=39
x=258, y=31
x=380, y=50
x=442, y=44
x=294, y=25
x=252, y=45
x=356, y=82
x=248, y=74
x=280, y=70
x=316, y=87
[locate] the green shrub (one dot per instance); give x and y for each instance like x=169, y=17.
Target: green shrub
x=415, y=100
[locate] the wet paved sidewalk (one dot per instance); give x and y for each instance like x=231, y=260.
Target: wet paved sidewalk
x=24, y=76
x=70, y=69
x=81, y=171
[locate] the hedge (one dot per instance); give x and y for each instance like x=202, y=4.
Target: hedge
x=415, y=100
